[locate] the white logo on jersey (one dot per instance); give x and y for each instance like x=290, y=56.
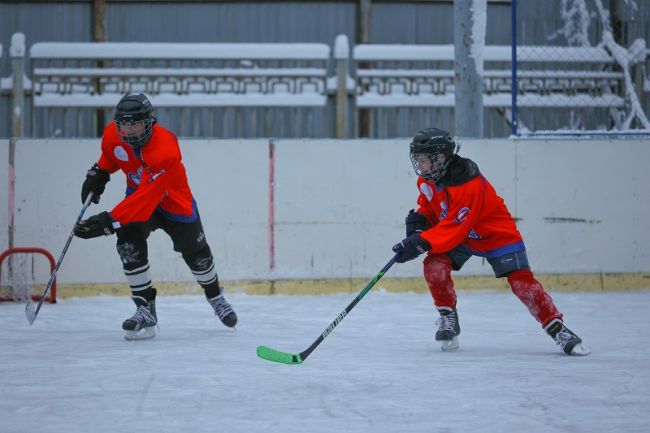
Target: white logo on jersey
x=135, y=177
x=426, y=190
x=462, y=215
x=120, y=153
x=443, y=210
x=157, y=175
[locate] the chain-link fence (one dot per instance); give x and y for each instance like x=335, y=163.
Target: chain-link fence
x=581, y=73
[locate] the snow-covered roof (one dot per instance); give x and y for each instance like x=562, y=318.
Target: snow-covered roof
x=370, y=99
x=402, y=52
x=181, y=72
x=183, y=51
x=500, y=53
x=406, y=73
x=188, y=100
x=489, y=73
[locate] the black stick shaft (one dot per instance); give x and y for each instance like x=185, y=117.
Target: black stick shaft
x=58, y=262
x=340, y=317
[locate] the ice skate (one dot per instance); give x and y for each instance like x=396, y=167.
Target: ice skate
x=142, y=325
x=569, y=342
x=448, y=329
x=223, y=310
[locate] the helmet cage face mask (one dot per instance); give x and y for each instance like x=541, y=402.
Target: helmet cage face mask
x=431, y=152
x=136, y=133
x=431, y=166
x=134, y=120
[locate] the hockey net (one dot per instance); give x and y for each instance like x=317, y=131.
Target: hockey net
x=24, y=273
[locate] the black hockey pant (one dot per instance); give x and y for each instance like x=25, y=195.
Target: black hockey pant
x=188, y=239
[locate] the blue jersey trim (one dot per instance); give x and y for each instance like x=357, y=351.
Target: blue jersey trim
x=180, y=218
x=172, y=216
x=497, y=252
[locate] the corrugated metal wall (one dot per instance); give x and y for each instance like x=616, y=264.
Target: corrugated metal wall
x=417, y=22
x=40, y=22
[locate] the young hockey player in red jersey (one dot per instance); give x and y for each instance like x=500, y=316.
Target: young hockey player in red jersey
x=461, y=215
x=157, y=196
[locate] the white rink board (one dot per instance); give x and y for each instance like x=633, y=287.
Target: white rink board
x=340, y=204
x=228, y=179
x=604, y=183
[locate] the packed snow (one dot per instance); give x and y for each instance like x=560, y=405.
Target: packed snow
x=379, y=371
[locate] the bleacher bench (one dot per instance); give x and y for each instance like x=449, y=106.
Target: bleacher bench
x=423, y=76
x=180, y=74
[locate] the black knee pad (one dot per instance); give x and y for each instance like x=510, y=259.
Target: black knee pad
x=133, y=254
x=200, y=260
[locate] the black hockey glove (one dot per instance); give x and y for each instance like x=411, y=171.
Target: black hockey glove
x=96, y=180
x=415, y=223
x=97, y=225
x=410, y=248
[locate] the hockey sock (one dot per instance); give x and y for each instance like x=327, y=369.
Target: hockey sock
x=140, y=281
x=532, y=294
x=201, y=263
x=437, y=273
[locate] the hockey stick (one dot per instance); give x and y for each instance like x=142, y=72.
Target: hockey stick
x=271, y=354
x=30, y=311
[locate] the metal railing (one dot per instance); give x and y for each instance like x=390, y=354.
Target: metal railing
x=67, y=84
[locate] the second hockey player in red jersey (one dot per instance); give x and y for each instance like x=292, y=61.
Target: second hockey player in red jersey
x=460, y=215
x=157, y=197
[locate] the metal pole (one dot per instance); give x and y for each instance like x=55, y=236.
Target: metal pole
x=342, y=56
x=515, y=86
x=11, y=204
x=17, y=52
x=99, y=35
x=365, y=19
x=469, y=40
x=271, y=209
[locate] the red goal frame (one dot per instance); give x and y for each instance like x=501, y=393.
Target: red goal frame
x=31, y=250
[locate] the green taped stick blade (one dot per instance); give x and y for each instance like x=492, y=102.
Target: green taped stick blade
x=273, y=355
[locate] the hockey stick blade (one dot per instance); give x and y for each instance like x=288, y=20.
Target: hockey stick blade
x=273, y=355
x=30, y=312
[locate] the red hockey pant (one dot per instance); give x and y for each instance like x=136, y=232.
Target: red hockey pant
x=437, y=273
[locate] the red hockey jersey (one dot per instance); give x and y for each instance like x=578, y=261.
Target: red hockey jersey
x=470, y=215
x=155, y=177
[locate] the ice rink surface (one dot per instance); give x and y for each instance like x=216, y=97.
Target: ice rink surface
x=380, y=371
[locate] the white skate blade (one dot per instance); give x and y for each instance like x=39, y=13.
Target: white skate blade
x=142, y=334
x=449, y=345
x=580, y=350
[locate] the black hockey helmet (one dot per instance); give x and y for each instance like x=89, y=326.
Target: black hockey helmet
x=431, y=151
x=134, y=118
